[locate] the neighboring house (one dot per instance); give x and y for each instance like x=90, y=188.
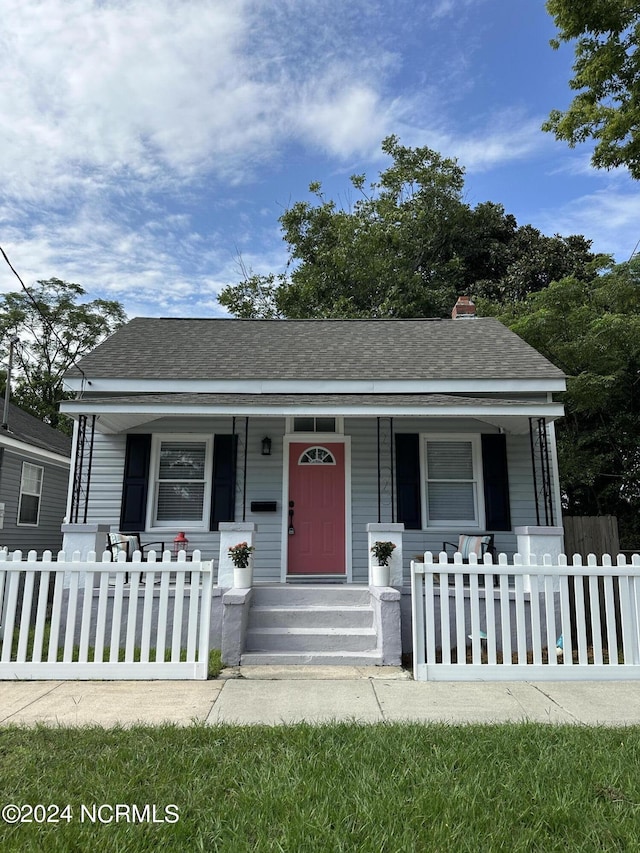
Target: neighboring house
x=313, y=429
x=34, y=473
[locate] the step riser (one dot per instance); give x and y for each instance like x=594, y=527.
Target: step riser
x=310, y=659
x=310, y=642
x=302, y=617
x=297, y=596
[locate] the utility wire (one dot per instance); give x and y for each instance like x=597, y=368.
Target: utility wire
x=44, y=319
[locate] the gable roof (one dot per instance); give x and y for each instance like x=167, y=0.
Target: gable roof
x=227, y=349
x=21, y=426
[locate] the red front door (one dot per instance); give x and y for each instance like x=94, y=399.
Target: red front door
x=317, y=498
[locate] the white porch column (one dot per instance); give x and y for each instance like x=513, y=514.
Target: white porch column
x=387, y=532
x=84, y=538
x=232, y=532
x=540, y=541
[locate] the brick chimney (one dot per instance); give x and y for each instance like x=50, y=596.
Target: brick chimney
x=463, y=309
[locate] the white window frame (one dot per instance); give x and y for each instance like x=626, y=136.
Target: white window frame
x=154, y=480
x=476, y=450
x=25, y=491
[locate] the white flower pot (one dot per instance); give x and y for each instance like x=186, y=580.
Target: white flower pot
x=243, y=577
x=380, y=575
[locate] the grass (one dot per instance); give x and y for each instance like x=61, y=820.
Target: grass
x=342, y=787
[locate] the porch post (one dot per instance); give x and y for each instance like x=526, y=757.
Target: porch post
x=540, y=541
x=85, y=538
x=231, y=532
x=387, y=532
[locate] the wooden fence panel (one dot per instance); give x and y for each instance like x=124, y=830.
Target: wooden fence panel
x=596, y=534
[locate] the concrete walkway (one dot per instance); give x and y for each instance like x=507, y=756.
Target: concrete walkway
x=280, y=695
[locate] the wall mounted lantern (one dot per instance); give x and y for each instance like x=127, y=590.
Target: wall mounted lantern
x=266, y=446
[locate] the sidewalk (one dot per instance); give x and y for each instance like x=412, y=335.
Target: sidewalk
x=281, y=695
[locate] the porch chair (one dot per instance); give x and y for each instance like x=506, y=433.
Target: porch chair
x=117, y=543
x=473, y=544
x=127, y=543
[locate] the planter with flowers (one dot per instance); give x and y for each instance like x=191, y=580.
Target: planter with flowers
x=242, y=559
x=380, y=570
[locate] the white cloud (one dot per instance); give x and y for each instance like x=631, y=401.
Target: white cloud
x=158, y=92
x=608, y=217
x=505, y=137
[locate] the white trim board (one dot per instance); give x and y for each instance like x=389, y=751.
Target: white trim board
x=316, y=386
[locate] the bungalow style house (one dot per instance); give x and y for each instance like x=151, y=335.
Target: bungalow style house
x=34, y=472
x=311, y=437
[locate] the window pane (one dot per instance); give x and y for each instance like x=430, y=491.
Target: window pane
x=325, y=424
x=182, y=460
x=29, y=509
x=449, y=460
x=31, y=478
x=303, y=424
x=451, y=501
x=180, y=501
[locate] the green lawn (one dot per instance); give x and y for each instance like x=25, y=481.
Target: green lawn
x=330, y=788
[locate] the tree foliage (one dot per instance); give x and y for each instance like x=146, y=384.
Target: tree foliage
x=591, y=330
x=407, y=247
x=54, y=329
x=606, y=78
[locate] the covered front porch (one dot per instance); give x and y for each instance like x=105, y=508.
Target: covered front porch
x=310, y=474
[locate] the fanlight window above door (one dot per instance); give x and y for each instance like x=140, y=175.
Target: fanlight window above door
x=317, y=456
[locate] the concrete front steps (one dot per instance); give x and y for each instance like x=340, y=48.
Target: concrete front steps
x=329, y=625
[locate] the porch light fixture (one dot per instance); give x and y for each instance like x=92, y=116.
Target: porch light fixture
x=266, y=446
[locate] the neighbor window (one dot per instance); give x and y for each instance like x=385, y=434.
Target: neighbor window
x=182, y=481
x=452, y=476
x=30, y=494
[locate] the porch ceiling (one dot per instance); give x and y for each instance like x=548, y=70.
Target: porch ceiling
x=118, y=414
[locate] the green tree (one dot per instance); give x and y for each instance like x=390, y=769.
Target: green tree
x=591, y=330
x=54, y=330
x=606, y=78
x=407, y=247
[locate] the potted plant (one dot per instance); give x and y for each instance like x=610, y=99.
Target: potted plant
x=380, y=571
x=242, y=559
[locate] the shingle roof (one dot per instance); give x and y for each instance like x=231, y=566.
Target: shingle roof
x=24, y=427
x=170, y=348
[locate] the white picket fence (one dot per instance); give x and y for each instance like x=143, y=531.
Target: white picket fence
x=104, y=620
x=530, y=622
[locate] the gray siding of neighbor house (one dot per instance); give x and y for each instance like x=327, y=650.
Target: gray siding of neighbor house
x=263, y=482
x=46, y=535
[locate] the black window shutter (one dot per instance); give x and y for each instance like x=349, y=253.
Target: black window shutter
x=408, y=480
x=496, y=481
x=135, y=485
x=223, y=497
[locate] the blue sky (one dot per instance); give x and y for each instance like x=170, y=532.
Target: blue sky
x=146, y=147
